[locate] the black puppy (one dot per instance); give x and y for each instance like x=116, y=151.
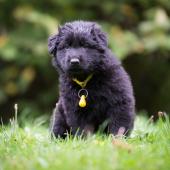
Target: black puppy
x=94, y=87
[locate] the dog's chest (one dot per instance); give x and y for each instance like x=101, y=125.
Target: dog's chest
x=96, y=102
x=96, y=109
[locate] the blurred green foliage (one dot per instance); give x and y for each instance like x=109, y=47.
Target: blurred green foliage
x=135, y=28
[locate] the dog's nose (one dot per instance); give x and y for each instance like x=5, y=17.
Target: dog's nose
x=75, y=61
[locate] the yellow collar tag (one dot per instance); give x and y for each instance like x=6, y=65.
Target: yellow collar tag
x=82, y=102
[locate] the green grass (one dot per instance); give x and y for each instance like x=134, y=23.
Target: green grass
x=30, y=147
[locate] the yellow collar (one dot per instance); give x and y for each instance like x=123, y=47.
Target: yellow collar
x=83, y=83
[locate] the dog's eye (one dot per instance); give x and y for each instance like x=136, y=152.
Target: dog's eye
x=60, y=47
x=86, y=45
x=63, y=46
x=66, y=46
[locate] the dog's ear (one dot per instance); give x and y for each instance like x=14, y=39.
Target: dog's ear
x=52, y=46
x=98, y=35
x=53, y=42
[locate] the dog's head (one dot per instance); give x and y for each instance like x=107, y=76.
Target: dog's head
x=78, y=47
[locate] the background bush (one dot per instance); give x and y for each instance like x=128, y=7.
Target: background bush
x=138, y=32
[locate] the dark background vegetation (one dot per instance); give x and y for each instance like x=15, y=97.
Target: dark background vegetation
x=138, y=32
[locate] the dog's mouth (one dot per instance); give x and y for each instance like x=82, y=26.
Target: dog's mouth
x=77, y=72
x=75, y=69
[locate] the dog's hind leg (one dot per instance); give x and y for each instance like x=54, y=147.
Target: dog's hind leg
x=58, y=124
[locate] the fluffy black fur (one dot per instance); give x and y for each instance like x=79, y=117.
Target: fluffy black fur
x=110, y=91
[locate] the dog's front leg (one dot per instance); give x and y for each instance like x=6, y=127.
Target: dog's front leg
x=121, y=124
x=79, y=128
x=76, y=129
x=83, y=130
x=58, y=123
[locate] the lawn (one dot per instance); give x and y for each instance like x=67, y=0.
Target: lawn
x=29, y=147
